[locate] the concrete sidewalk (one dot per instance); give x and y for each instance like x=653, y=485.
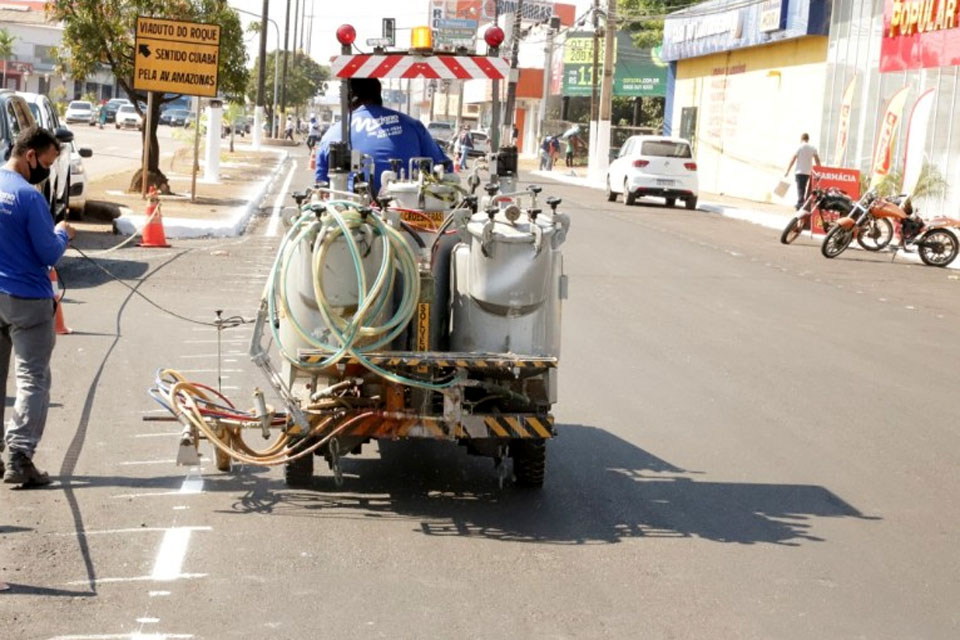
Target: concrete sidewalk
x=221, y=209
x=771, y=216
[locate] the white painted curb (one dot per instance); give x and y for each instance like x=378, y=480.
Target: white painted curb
x=228, y=227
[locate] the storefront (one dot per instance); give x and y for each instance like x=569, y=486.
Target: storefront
x=878, y=48
x=746, y=80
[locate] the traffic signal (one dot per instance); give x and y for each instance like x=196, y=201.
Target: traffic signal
x=390, y=31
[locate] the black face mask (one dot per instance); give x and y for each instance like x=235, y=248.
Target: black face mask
x=38, y=173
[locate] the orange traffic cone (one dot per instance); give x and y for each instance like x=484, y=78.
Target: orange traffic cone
x=61, y=328
x=153, y=234
x=313, y=161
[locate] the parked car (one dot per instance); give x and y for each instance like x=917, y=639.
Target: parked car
x=443, y=134
x=656, y=166
x=80, y=111
x=481, y=143
x=112, y=106
x=77, y=185
x=128, y=118
x=175, y=117
x=56, y=188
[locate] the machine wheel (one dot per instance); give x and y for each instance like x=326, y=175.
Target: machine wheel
x=938, y=248
x=792, y=231
x=611, y=194
x=629, y=197
x=529, y=462
x=299, y=473
x=690, y=203
x=671, y=202
x=836, y=242
x=876, y=235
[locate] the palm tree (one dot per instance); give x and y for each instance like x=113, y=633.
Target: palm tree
x=6, y=50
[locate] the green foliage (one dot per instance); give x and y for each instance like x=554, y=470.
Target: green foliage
x=101, y=32
x=644, y=19
x=930, y=183
x=306, y=78
x=6, y=43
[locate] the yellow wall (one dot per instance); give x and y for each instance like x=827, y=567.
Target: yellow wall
x=752, y=106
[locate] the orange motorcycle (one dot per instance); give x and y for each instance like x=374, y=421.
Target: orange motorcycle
x=935, y=240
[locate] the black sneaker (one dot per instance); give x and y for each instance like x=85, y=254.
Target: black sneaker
x=22, y=471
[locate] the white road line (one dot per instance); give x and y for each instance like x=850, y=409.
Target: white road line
x=212, y=355
x=193, y=483
x=128, y=636
x=274, y=224
x=158, y=594
x=210, y=370
x=150, y=578
x=170, y=556
x=103, y=532
x=134, y=463
x=154, y=411
x=156, y=435
x=148, y=620
x=241, y=341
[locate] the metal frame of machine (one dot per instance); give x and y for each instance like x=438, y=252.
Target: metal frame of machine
x=366, y=300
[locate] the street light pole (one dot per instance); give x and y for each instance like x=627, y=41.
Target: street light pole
x=286, y=37
x=514, y=73
x=606, y=94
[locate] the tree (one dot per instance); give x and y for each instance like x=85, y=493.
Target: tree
x=306, y=79
x=644, y=19
x=6, y=51
x=101, y=32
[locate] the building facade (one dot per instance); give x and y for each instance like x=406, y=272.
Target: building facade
x=745, y=81
x=876, y=48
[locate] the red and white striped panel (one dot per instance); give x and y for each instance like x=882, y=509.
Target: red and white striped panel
x=408, y=66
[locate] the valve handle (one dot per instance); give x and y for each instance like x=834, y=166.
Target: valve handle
x=491, y=188
x=553, y=202
x=535, y=189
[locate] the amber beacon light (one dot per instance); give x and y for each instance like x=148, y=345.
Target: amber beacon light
x=421, y=39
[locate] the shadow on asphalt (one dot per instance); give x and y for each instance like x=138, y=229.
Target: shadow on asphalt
x=599, y=489
x=76, y=272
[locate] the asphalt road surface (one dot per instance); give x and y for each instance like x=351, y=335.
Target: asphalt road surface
x=117, y=150
x=754, y=442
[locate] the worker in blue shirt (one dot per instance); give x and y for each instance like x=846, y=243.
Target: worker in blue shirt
x=379, y=132
x=29, y=246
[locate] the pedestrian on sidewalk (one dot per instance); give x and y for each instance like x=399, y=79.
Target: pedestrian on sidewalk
x=288, y=135
x=466, y=146
x=29, y=246
x=514, y=134
x=569, y=150
x=804, y=158
x=546, y=160
x=313, y=133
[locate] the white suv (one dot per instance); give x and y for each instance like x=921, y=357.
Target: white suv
x=656, y=166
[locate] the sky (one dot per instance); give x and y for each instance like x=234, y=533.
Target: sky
x=329, y=14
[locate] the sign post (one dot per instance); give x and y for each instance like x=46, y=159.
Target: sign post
x=172, y=56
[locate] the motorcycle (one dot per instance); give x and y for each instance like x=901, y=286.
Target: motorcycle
x=825, y=205
x=934, y=240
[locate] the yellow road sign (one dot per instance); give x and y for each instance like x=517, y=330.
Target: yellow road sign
x=171, y=56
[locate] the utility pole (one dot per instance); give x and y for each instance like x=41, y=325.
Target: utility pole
x=594, y=78
x=261, y=78
x=606, y=95
x=296, y=15
x=548, y=67
x=514, y=55
x=459, y=105
x=303, y=22
x=286, y=36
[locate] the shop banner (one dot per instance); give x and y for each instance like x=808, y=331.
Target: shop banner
x=887, y=137
x=916, y=140
x=843, y=128
x=920, y=33
x=847, y=180
x=636, y=72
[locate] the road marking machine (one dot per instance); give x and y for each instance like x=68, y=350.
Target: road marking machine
x=427, y=310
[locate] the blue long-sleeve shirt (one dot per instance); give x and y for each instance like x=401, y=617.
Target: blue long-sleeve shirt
x=384, y=134
x=29, y=245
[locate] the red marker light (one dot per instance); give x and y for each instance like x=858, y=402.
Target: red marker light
x=346, y=34
x=692, y=166
x=493, y=36
x=640, y=164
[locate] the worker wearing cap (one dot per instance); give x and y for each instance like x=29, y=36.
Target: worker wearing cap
x=382, y=133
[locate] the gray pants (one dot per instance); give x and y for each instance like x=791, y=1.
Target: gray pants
x=26, y=326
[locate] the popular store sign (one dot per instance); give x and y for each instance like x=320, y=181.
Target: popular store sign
x=920, y=33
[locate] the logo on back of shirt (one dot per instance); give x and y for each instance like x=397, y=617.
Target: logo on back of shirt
x=6, y=202
x=382, y=127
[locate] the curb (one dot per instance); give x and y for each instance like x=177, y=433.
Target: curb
x=231, y=226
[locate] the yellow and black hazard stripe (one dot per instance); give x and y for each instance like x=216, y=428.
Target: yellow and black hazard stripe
x=519, y=426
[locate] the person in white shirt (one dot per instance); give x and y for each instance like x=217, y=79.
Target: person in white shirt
x=805, y=157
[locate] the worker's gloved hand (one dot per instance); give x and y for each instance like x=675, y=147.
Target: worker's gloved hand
x=71, y=232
